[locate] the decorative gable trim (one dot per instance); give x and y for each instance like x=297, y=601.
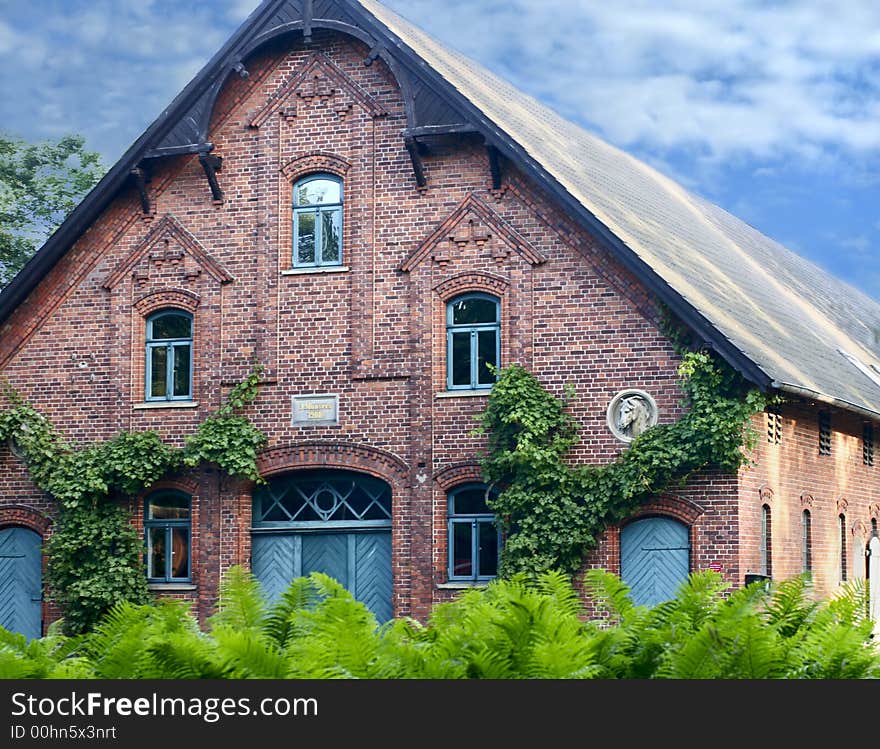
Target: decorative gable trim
x=319, y=78
x=169, y=230
x=473, y=222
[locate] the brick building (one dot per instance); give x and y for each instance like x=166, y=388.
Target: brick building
x=374, y=217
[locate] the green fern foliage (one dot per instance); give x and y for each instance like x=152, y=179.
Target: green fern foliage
x=525, y=627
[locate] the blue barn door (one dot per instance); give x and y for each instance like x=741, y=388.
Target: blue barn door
x=654, y=559
x=334, y=522
x=21, y=581
x=361, y=561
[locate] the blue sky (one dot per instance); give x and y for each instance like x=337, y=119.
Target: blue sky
x=770, y=109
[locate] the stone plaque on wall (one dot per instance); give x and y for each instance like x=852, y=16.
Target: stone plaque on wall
x=314, y=410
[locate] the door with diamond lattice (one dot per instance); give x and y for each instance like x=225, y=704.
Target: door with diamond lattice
x=334, y=522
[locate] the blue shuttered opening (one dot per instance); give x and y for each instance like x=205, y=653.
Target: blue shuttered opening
x=21, y=581
x=334, y=522
x=654, y=558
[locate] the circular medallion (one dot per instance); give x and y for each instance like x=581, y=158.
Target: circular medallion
x=630, y=413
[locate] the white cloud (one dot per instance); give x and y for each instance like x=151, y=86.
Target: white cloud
x=732, y=77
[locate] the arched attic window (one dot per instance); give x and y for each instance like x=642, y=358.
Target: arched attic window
x=473, y=341
x=317, y=221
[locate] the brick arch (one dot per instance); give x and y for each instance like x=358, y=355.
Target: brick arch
x=670, y=505
x=186, y=484
x=471, y=281
x=167, y=298
x=313, y=163
x=766, y=495
x=23, y=516
x=349, y=456
x=460, y=473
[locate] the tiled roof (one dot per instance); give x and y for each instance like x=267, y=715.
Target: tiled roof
x=788, y=316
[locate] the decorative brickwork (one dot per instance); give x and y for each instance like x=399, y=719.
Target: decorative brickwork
x=373, y=332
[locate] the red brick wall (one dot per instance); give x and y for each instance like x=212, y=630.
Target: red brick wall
x=790, y=477
x=373, y=332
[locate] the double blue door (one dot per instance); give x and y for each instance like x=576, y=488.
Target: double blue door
x=21, y=581
x=360, y=560
x=654, y=559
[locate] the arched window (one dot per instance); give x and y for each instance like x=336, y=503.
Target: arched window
x=167, y=526
x=841, y=522
x=766, y=541
x=806, y=541
x=169, y=356
x=474, y=538
x=317, y=221
x=473, y=341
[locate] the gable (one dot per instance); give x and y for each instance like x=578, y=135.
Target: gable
x=779, y=320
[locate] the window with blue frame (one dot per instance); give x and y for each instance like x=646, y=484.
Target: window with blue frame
x=473, y=341
x=169, y=356
x=317, y=221
x=168, y=531
x=474, y=537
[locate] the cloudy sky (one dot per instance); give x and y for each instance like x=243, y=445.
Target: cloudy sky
x=770, y=108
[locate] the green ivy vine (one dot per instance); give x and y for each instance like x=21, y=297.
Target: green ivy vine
x=553, y=512
x=95, y=555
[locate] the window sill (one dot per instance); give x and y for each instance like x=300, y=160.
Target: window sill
x=463, y=585
x=463, y=393
x=148, y=405
x=172, y=587
x=318, y=269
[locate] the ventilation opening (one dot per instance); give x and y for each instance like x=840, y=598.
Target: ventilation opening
x=868, y=445
x=774, y=425
x=824, y=433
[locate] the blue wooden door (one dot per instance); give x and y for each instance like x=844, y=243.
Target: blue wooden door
x=21, y=581
x=335, y=522
x=360, y=560
x=654, y=559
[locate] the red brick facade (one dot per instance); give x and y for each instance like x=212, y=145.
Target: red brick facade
x=373, y=333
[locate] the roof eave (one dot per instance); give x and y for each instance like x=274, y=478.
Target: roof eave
x=91, y=207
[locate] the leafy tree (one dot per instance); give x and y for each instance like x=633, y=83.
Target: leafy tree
x=39, y=185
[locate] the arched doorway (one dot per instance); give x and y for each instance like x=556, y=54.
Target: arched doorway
x=21, y=581
x=335, y=522
x=654, y=558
